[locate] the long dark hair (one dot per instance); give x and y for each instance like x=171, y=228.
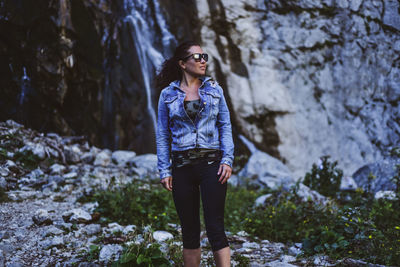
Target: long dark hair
x=170, y=70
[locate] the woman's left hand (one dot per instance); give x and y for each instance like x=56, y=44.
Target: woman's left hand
x=225, y=171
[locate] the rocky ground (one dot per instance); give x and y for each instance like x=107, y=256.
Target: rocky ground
x=42, y=223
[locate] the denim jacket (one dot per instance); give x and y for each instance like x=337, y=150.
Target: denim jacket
x=177, y=132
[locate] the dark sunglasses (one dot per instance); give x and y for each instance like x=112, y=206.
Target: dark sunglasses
x=197, y=57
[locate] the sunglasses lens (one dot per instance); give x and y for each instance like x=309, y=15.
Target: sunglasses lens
x=197, y=57
x=205, y=56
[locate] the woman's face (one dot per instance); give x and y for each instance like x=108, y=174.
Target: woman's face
x=191, y=66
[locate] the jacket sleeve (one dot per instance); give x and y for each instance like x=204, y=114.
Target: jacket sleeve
x=163, y=135
x=225, y=131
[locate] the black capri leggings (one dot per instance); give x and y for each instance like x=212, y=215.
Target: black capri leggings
x=187, y=184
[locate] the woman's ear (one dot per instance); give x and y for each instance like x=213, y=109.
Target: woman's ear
x=182, y=64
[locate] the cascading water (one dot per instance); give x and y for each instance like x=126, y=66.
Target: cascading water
x=25, y=84
x=145, y=21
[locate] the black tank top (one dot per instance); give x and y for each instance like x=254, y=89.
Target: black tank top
x=192, y=107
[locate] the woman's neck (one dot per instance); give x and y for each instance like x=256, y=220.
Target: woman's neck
x=189, y=81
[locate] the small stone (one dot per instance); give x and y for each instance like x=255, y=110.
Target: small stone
x=129, y=229
x=42, y=217
x=92, y=229
x=121, y=157
x=52, y=230
x=387, y=194
x=252, y=245
x=103, y=158
x=3, y=183
x=261, y=199
x=161, y=236
x=76, y=216
x=110, y=252
x=57, y=169
x=70, y=175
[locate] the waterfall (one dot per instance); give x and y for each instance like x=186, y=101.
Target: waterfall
x=145, y=24
x=249, y=144
x=25, y=84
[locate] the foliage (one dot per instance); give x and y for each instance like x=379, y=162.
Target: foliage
x=136, y=203
x=3, y=196
x=356, y=226
x=324, y=177
x=241, y=260
x=144, y=253
x=238, y=202
x=139, y=255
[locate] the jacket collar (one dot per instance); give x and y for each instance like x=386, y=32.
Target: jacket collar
x=176, y=84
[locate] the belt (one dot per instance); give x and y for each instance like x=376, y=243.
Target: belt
x=195, y=155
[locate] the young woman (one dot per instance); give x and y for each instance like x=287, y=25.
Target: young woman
x=194, y=130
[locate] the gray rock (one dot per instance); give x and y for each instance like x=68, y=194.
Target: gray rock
x=72, y=154
x=3, y=183
x=129, y=229
x=261, y=200
x=4, y=171
x=121, y=157
x=2, y=258
x=11, y=165
x=92, y=229
x=251, y=245
x=87, y=157
x=52, y=231
x=295, y=250
x=391, y=16
x=278, y=263
x=110, y=253
x=103, y=158
x=56, y=241
x=57, y=169
x=113, y=227
x=161, y=236
x=36, y=148
x=42, y=217
x=145, y=166
x=76, y=216
x=321, y=260
x=382, y=171
x=308, y=194
x=264, y=170
x=390, y=195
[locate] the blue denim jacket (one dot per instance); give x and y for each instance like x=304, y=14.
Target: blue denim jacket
x=176, y=131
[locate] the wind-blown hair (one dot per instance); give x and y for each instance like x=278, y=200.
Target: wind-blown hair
x=170, y=70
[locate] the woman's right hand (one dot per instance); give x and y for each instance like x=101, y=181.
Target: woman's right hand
x=167, y=183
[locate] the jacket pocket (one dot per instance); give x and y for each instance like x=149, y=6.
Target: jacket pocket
x=214, y=98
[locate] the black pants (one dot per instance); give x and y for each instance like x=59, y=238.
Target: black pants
x=188, y=182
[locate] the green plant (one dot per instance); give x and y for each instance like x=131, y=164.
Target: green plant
x=324, y=177
x=3, y=196
x=396, y=180
x=142, y=255
x=92, y=253
x=27, y=159
x=241, y=260
x=136, y=203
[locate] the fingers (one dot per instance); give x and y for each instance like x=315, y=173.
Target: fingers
x=226, y=173
x=167, y=183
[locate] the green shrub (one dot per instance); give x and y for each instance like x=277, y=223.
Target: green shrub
x=3, y=196
x=136, y=203
x=325, y=178
x=139, y=255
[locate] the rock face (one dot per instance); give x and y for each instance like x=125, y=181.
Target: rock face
x=307, y=78
x=302, y=78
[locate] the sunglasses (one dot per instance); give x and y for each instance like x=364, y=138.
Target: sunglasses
x=197, y=57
